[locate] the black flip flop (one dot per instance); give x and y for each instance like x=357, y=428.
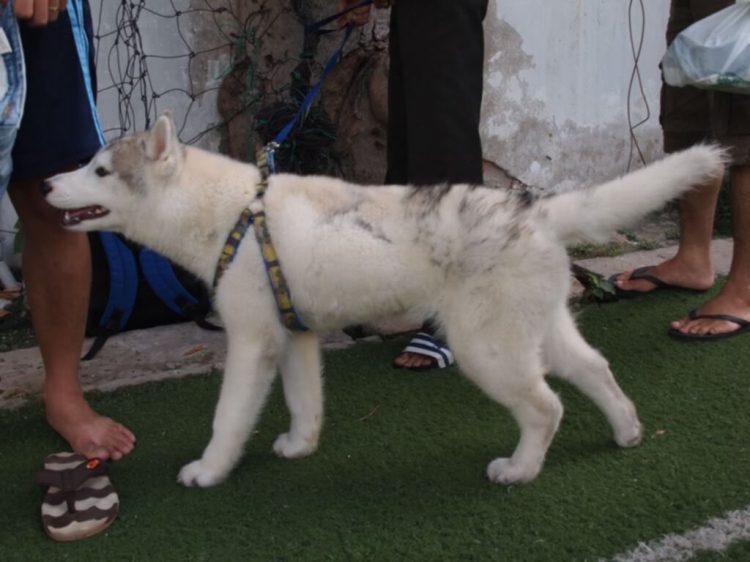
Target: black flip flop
x=642, y=273
x=744, y=327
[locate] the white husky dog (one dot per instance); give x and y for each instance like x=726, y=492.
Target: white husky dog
x=489, y=265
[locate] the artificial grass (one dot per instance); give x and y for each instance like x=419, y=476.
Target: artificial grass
x=400, y=470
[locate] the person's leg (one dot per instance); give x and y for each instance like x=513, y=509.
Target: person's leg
x=58, y=131
x=437, y=59
x=397, y=155
x=441, y=56
x=57, y=276
x=730, y=125
x=692, y=266
x=734, y=298
x=685, y=118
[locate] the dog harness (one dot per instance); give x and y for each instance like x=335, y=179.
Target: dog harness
x=256, y=216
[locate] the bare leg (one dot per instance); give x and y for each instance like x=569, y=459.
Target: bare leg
x=734, y=298
x=692, y=266
x=57, y=274
x=303, y=389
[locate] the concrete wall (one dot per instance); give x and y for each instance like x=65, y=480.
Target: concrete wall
x=188, y=86
x=187, y=56
x=557, y=77
x=556, y=98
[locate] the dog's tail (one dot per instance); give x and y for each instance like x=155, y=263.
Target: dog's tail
x=594, y=214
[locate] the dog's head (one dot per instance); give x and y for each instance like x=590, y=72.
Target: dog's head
x=122, y=177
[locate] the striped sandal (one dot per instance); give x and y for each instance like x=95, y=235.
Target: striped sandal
x=80, y=501
x=430, y=346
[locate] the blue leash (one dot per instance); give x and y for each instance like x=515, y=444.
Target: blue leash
x=267, y=166
x=317, y=27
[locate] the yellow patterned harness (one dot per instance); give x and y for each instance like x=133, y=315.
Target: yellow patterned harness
x=258, y=219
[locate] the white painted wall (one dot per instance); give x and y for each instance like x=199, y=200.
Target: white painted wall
x=167, y=69
x=186, y=86
x=557, y=76
x=557, y=79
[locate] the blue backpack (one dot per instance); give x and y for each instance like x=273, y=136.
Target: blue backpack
x=133, y=287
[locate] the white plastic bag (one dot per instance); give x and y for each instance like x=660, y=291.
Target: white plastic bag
x=713, y=53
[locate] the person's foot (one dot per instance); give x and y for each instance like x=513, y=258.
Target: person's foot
x=408, y=360
x=675, y=272
x=424, y=352
x=86, y=431
x=731, y=301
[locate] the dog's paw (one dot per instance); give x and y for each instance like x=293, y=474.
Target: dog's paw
x=289, y=447
x=631, y=435
x=198, y=474
x=503, y=471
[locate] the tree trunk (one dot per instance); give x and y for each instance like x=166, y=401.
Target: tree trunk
x=274, y=65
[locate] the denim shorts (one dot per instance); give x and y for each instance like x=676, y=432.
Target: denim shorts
x=60, y=127
x=12, y=90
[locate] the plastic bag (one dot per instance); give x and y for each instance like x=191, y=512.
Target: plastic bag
x=713, y=53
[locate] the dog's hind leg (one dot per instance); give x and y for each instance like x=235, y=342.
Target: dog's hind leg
x=505, y=363
x=250, y=369
x=303, y=390
x=571, y=358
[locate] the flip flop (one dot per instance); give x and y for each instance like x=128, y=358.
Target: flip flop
x=642, y=273
x=744, y=327
x=80, y=501
x=429, y=346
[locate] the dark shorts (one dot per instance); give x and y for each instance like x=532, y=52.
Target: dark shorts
x=691, y=115
x=59, y=127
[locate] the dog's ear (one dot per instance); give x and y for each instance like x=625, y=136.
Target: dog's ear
x=162, y=138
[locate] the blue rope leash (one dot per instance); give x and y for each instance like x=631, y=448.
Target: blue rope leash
x=315, y=90
x=267, y=166
x=317, y=27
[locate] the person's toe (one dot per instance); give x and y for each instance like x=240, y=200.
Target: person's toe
x=427, y=361
x=624, y=277
x=412, y=360
x=701, y=328
x=93, y=451
x=680, y=324
x=124, y=446
x=401, y=360
x=128, y=434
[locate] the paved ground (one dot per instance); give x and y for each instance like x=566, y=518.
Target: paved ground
x=721, y=251
x=184, y=349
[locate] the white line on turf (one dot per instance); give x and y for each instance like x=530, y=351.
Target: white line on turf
x=717, y=534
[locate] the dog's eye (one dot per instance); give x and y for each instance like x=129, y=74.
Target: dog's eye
x=102, y=172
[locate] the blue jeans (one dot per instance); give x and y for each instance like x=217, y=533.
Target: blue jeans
x=12, y=91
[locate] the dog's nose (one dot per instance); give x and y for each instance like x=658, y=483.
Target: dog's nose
x=46, y=187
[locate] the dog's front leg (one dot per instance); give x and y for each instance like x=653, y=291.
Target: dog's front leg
x=303, y=390
x=249, y=371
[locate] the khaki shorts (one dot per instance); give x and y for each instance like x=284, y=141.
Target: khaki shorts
x=690, y=115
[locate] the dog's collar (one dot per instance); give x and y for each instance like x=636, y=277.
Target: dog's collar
x=257, y=218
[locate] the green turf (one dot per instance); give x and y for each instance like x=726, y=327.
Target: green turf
x=407, y=482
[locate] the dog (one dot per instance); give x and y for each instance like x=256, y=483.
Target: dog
x=489, y=265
